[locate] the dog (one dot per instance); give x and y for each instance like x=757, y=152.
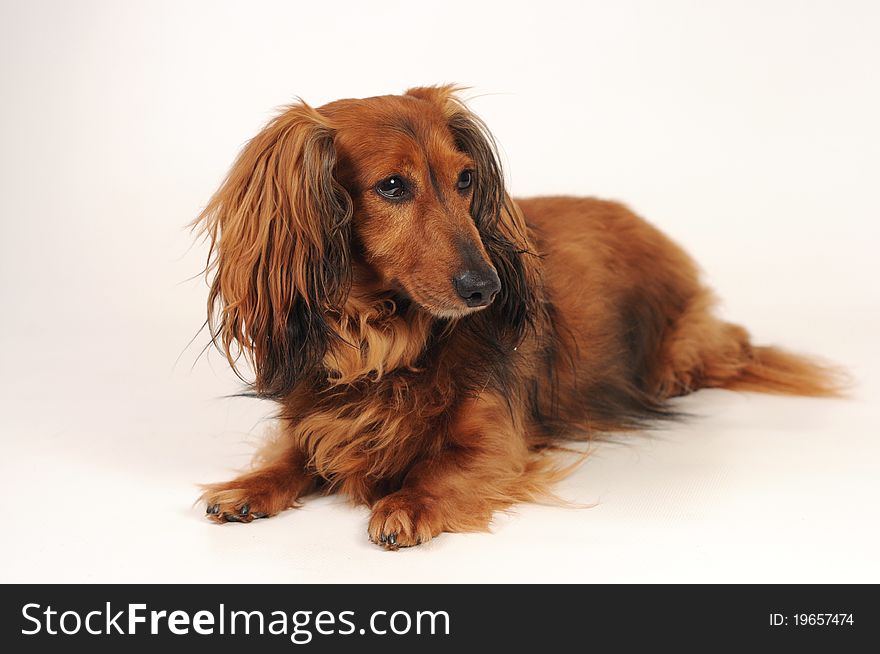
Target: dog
x=430, y=341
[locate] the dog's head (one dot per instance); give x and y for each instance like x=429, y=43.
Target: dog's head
x=401, y=195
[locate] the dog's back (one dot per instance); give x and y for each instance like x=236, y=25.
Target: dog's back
x=634, y=325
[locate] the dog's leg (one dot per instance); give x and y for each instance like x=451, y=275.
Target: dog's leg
x=486, y=467
x=700, y=351
x=279, y=477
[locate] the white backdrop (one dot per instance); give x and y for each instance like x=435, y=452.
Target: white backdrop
x=746, y=130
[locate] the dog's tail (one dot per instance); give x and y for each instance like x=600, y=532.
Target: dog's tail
x=774, y=370
x=716, y=354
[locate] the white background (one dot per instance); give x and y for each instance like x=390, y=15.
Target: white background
x=746, y=130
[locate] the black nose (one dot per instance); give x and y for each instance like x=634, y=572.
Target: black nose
x=477, y=287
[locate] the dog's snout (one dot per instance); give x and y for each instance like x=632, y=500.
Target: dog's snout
x=477, y=287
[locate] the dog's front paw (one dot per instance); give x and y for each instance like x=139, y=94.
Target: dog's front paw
x=403, y=519
x=226, y=503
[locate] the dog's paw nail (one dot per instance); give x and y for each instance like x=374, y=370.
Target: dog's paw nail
x=382, y=538
x=392, y=539
x=231, y=517
x=257, y=514
x=245, y=509
x=213, y=509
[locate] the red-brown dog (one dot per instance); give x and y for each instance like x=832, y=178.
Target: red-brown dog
x=428, y=338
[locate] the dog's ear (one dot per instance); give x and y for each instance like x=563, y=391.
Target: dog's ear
x=498, y=219
x=280, y=234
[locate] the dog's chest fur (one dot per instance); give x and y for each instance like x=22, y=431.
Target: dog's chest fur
x=363, y=436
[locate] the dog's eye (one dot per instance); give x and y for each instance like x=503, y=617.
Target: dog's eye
x=392, y=188
x=465, y=179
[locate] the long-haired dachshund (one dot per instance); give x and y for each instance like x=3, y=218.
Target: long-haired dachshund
x=427, y=338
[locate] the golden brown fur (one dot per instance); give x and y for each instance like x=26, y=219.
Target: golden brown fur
x=427, y=338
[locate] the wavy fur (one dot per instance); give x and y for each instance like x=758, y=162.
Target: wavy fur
x=432, y=403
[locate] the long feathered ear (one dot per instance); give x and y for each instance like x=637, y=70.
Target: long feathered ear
x=279, y=228
x=498, y=219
